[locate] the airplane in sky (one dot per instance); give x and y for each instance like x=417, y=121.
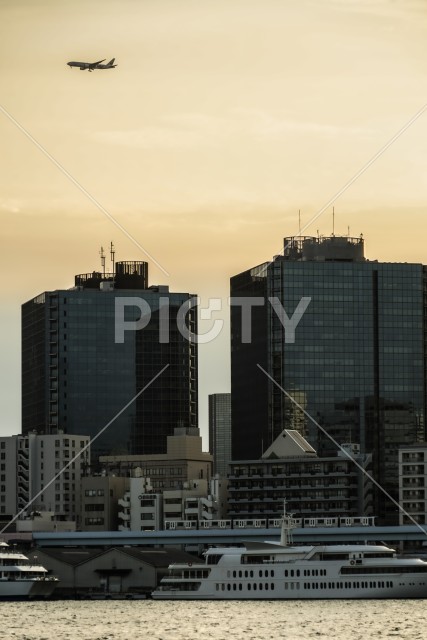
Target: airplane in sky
x=90, y=66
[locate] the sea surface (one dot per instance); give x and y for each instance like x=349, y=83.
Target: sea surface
x=155, y=620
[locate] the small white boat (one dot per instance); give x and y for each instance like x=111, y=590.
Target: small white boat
x=282, y=571
x=19, y=579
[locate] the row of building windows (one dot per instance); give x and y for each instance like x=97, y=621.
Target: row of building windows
x=94, y=507
x=94, y=521
x=163, y=471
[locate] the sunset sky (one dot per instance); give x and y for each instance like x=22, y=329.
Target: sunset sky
x=222, y=119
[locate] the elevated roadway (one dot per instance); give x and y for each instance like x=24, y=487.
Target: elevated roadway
x=336, y=535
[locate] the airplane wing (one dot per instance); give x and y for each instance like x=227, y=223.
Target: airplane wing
x=93, y=65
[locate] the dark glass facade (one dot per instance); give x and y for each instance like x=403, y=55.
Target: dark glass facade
x=220, y=431
x=76, y=377
x=357, y=364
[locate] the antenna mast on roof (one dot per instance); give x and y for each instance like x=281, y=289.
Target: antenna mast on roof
x=333, y=221
x=102, y=254
x=299, y=222
x=112, y=254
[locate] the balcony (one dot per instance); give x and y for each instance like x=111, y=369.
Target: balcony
x=124, y=516
x=23, y=461
x=23, y=472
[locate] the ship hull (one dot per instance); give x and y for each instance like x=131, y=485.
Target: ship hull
x=271, y=584
x=26, y=589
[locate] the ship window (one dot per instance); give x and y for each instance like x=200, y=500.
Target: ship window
x=260, y=586
x=286, y=573
x=229, y=587
x=249, y=586
x=292, y=573
x=255, y=586
x=234, y=586
x=266, y=586
x=272, y=573
x=251, y=573
x=240, y=586
x=260, y=573
x=272, y=586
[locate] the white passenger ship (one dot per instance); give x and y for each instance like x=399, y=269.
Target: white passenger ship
x=281, y=571
x=19, y=579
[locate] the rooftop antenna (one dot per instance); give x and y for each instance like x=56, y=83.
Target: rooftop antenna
x=299, y=222
x=348, y=231
x=333, y=221
x=112, y=254
x=102, y=254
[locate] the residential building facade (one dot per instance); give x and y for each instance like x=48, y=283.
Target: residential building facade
x=313, y=486
x=42, y=473
x=100, y=502
x=413, y=484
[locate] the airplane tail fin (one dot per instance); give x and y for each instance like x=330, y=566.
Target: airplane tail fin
x=110, y=64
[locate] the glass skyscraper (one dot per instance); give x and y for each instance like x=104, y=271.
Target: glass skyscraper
x=77, y=377
x=357, y=362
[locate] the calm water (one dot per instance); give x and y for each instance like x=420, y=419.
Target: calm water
x=149, y=620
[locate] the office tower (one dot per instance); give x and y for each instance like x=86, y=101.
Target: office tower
x=355, y=363
x=83, y=361
x=220, y=431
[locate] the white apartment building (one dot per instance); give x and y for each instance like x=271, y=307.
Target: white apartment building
x=141, y=510
x=44, y=470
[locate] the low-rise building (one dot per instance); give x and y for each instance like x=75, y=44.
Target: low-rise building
x=46, y=521
x=291, y=470
x=100, y=502
x=115, y=571
x=183, y=461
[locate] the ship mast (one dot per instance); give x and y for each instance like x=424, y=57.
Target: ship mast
x=288, y=523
